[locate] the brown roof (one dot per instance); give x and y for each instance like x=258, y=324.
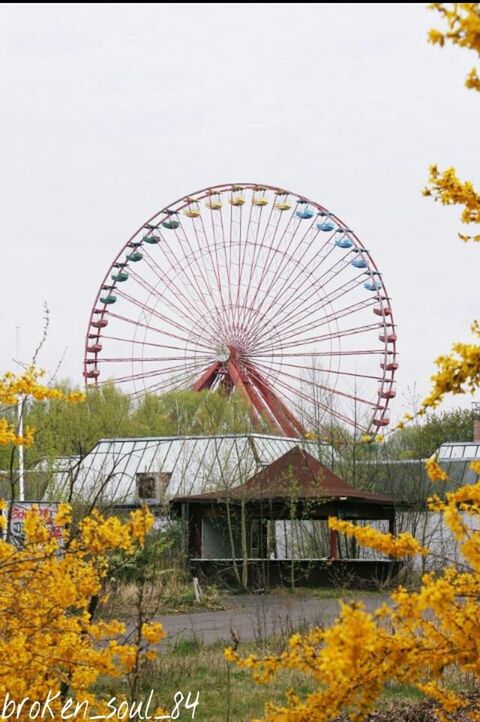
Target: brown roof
x=295, y=474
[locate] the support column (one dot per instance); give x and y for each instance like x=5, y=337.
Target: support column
x=333, y=544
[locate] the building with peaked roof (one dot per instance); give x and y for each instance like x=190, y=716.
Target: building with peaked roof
x=238, y=526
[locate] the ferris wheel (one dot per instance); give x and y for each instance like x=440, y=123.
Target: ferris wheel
x=255, y=290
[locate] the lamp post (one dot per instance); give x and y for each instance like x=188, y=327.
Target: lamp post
x=21, y=464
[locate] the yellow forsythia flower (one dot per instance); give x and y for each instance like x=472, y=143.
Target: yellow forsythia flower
x=153, y=632
x=434, y=470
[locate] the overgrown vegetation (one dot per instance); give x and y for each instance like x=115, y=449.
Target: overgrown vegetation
x=107, y=412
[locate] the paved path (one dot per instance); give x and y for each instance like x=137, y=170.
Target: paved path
x=253, y=617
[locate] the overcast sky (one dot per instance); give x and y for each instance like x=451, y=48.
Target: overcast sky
x=109, y=112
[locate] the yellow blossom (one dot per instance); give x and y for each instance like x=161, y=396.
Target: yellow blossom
x=434, y=470
x=475, y=467
x=153, y=632
x=366, y=438
x=399, y=546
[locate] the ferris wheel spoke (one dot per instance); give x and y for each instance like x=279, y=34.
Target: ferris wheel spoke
x=226, y=241
x=199, y=259
x=163, y=274
x=294, y=304
x=347, y=311
x=267, y=243
x=153, y=329
x=184, y=240
x=322, y=301
x=272, y=250
x=335, y=295
x=296, y=394
x=154, y=291
x=152, y=359
x=170, y=371
x=207, y=270
x=287, y=257
x=168, y=280
x=326, y=320
x=151, y=344
x=214, y=260
x=324, y=387
x=274, y=305
x=289, y=285
x=242, y=253
x=350, y=374
x=274, y=294
x=220, y=243
x=235, y=245
x=172, y=383
x=320, y=354
x=153, y=312
x=327, y=337
x=315, y=322
x=270, y=231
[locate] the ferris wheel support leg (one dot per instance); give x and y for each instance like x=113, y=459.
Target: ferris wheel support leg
x=207, y=378
x=244, y=385
x=280, y=420
x=288, y=422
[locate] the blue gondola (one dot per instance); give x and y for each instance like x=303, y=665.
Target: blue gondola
x=359, y=262
x=344, y=242
x=372, y=285
x=325, y=226
x=305, y=214
x=151, y=239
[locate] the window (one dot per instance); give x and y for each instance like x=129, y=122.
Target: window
x=146, y=486
x=152, y=485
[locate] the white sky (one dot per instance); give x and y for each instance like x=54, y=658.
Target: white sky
x=110, y=112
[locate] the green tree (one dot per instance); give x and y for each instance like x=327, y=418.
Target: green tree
x=192, y=412
x=64, y=430
x=423, y=439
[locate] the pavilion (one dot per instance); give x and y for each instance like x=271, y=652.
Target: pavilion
x=240, y=525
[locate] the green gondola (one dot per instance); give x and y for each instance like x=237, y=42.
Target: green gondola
x=108, y=299
x=171, y=224
x=135, y=256
x=120, y=276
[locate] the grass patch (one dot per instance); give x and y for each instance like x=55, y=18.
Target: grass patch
x=227, y=693
x=168, y=594
x=336, y=592
x=396, y=691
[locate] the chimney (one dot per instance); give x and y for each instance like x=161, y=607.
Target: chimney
x=476, y=421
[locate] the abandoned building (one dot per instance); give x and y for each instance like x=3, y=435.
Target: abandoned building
x=273, y=527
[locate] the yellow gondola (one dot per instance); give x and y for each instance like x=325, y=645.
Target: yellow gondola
x=237, y=198
x=282, y=205
x=192, y=210
x=259, y=198
x=214, y=203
